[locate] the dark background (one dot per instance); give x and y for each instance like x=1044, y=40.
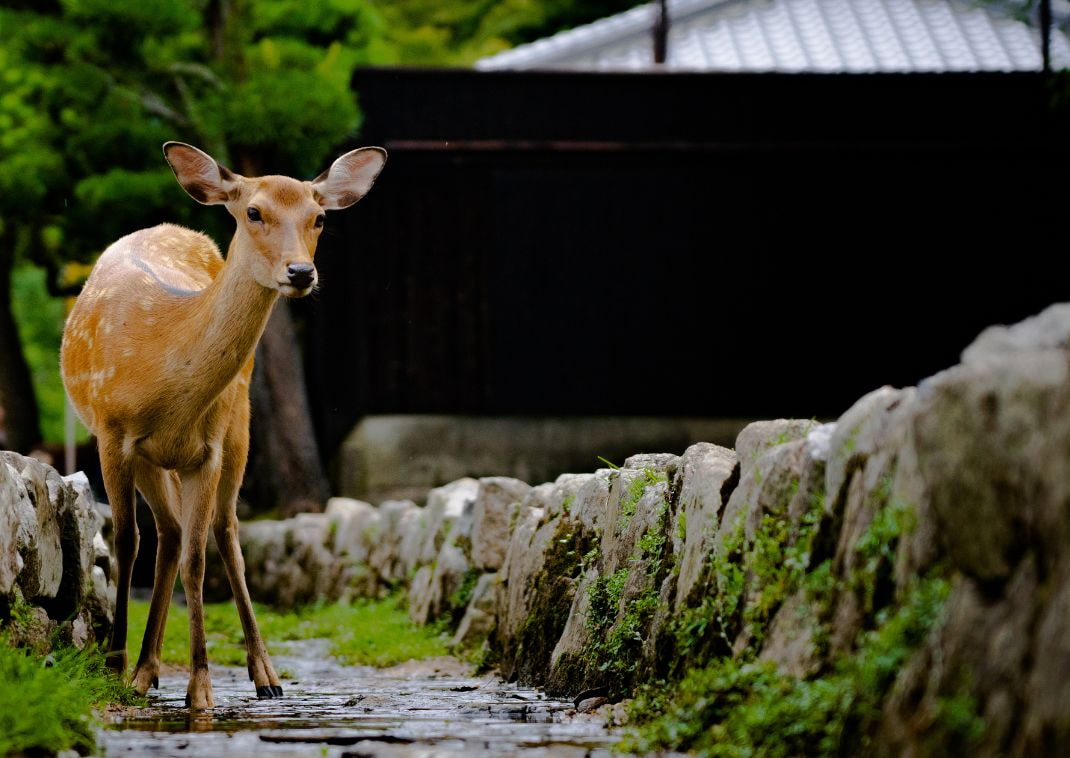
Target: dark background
x=681, y=244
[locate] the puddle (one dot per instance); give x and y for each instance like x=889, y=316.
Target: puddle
x=420, y=708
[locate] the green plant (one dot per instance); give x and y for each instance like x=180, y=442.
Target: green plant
x=365, y=632
x=461, y=596
x=736, y=707
x=47, y=701
x=637, y=487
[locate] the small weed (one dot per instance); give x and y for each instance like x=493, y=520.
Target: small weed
x=636, y=489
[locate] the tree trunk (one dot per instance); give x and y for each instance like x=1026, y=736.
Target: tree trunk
x=284, y=468
x=17, y=399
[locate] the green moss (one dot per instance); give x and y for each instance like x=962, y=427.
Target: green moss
x=47, y=702
x=569, y=552
x=741, y=708
x=460, y=598
x=618, y=623
x=744, y=584
x=636, y=489
x=681, y=527
x=959, y=718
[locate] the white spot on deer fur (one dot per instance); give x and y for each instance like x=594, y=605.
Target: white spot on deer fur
x=128, y=351
x=146, y=304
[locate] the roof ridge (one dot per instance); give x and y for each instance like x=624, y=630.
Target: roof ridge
x=937, y=41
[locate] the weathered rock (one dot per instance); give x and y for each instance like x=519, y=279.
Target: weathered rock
x=542, y=582
x=613, y=605
x=705, y=478
x=100, y=605
x=79, y=524
x=991, y=446
x=524, y=558
x=450, y=518
x=569, y=665
x=480, y=616
x=791, y=640
x=289, y=563
x=396, y=552
x=491, y=517
x=766, y=487
x=356, y=529
x=39, y=528
x=12, y=500
x=433, y=587
x=444, y=506
x=756, y=439
x=860, y=481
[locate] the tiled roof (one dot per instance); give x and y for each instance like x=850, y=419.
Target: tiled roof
x=800, y=35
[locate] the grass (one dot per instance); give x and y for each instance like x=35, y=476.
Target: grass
x=366, y=632
x=47, y=701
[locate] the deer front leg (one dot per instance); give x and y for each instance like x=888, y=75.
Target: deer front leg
x=198, y=503
x=160, y=489
x=225, y=526
x=118, y=474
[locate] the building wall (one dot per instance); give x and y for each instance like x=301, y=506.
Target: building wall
x=686, y=244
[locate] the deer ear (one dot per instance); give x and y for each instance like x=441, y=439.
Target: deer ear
x=203, y=178
x=349, y=178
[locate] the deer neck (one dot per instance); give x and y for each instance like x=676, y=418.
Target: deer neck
x=231, y=315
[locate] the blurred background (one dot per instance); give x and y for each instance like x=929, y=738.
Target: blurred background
x=604, y=227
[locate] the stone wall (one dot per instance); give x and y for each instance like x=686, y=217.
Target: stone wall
x=55, y=566
x=796, y=549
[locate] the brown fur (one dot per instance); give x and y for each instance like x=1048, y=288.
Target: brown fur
x=157, y=357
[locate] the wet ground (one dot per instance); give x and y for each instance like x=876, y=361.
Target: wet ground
x=429, y=708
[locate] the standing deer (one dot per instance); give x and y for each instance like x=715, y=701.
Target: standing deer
x=157, y=356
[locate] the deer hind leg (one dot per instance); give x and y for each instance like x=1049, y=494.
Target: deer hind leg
x=225, y=526
x=199, y=488
x=118, y=470
x=161, y=489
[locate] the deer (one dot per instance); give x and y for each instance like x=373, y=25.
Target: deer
x=157, y=357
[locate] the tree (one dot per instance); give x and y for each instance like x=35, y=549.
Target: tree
x=94, y=87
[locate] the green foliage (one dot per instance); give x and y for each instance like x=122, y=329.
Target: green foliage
x=47, y=702
x=40, y=322
x=366, y=632
x=617, y=621
x=746, y=582
x=636, y=489
x=431, y=32
x=463, y=594
x=740, y=708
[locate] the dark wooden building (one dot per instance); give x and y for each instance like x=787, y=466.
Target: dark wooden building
x=682, y=244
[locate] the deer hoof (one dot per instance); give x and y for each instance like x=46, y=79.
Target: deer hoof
x=267, y=692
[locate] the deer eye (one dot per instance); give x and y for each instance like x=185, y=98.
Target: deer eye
x=319, y=220
x=254, y=214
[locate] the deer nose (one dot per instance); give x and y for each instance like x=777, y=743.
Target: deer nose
x=301, y=274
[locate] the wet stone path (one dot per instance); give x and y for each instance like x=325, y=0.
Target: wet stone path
x=429, y=708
